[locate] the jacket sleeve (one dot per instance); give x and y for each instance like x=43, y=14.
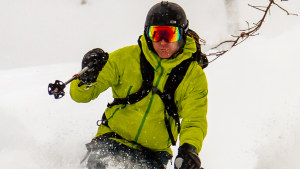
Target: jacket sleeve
x=193, y=111
x=106, y=78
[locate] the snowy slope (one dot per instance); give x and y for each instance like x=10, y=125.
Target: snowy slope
x=254, y=103
x=254, y=96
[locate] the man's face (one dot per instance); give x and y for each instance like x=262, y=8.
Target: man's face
x=164, y=40
x=165, y=49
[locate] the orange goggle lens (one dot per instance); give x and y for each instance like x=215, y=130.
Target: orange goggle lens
x=169, y=33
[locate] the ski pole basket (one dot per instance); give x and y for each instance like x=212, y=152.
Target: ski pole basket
x=56, y=89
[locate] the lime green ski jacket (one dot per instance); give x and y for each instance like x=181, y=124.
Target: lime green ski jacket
x=143, y=122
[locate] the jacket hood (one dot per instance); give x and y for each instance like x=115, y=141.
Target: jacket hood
x=156, y=61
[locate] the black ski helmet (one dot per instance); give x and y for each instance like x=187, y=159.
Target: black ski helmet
x=167, y=14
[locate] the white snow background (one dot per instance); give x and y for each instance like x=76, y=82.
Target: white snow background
x=254, y=89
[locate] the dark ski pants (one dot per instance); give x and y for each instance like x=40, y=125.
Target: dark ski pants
x=106, y=153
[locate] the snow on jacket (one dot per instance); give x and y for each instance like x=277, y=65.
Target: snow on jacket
x=143, y=122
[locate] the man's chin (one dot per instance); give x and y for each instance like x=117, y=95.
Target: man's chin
x=164, y=56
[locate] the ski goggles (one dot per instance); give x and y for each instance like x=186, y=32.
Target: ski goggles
x=169, y=33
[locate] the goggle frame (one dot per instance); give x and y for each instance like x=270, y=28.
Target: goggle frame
x=169, y=33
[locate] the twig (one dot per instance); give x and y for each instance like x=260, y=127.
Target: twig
x=287, y=12
x=246, y=33
x=258, y=7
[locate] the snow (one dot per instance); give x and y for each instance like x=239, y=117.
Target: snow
x=254, y=96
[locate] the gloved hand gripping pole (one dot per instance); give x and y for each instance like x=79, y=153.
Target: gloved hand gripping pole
x=57, y=88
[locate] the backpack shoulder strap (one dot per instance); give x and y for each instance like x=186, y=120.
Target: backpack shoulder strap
x=147, y=75
x=168, y=95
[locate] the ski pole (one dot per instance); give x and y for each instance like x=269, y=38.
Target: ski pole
x=57, y=88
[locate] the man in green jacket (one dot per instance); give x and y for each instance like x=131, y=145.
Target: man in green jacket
x=160, y=92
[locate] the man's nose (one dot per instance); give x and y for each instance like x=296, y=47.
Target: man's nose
x=164, y=42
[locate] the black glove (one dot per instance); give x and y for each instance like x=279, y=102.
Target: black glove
x=187, y=158
x=95, y=60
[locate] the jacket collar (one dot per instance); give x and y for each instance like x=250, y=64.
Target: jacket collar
x=156, y=61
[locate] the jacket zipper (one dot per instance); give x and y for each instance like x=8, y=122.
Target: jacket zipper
x=150, y=104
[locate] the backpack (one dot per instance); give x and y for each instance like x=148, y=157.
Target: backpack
x=201, y=58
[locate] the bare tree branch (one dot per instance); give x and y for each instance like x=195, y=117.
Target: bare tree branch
x=287, y=12
x=258, y=7
x=246, y=33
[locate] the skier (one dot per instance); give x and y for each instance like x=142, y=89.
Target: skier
x=159, y=91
